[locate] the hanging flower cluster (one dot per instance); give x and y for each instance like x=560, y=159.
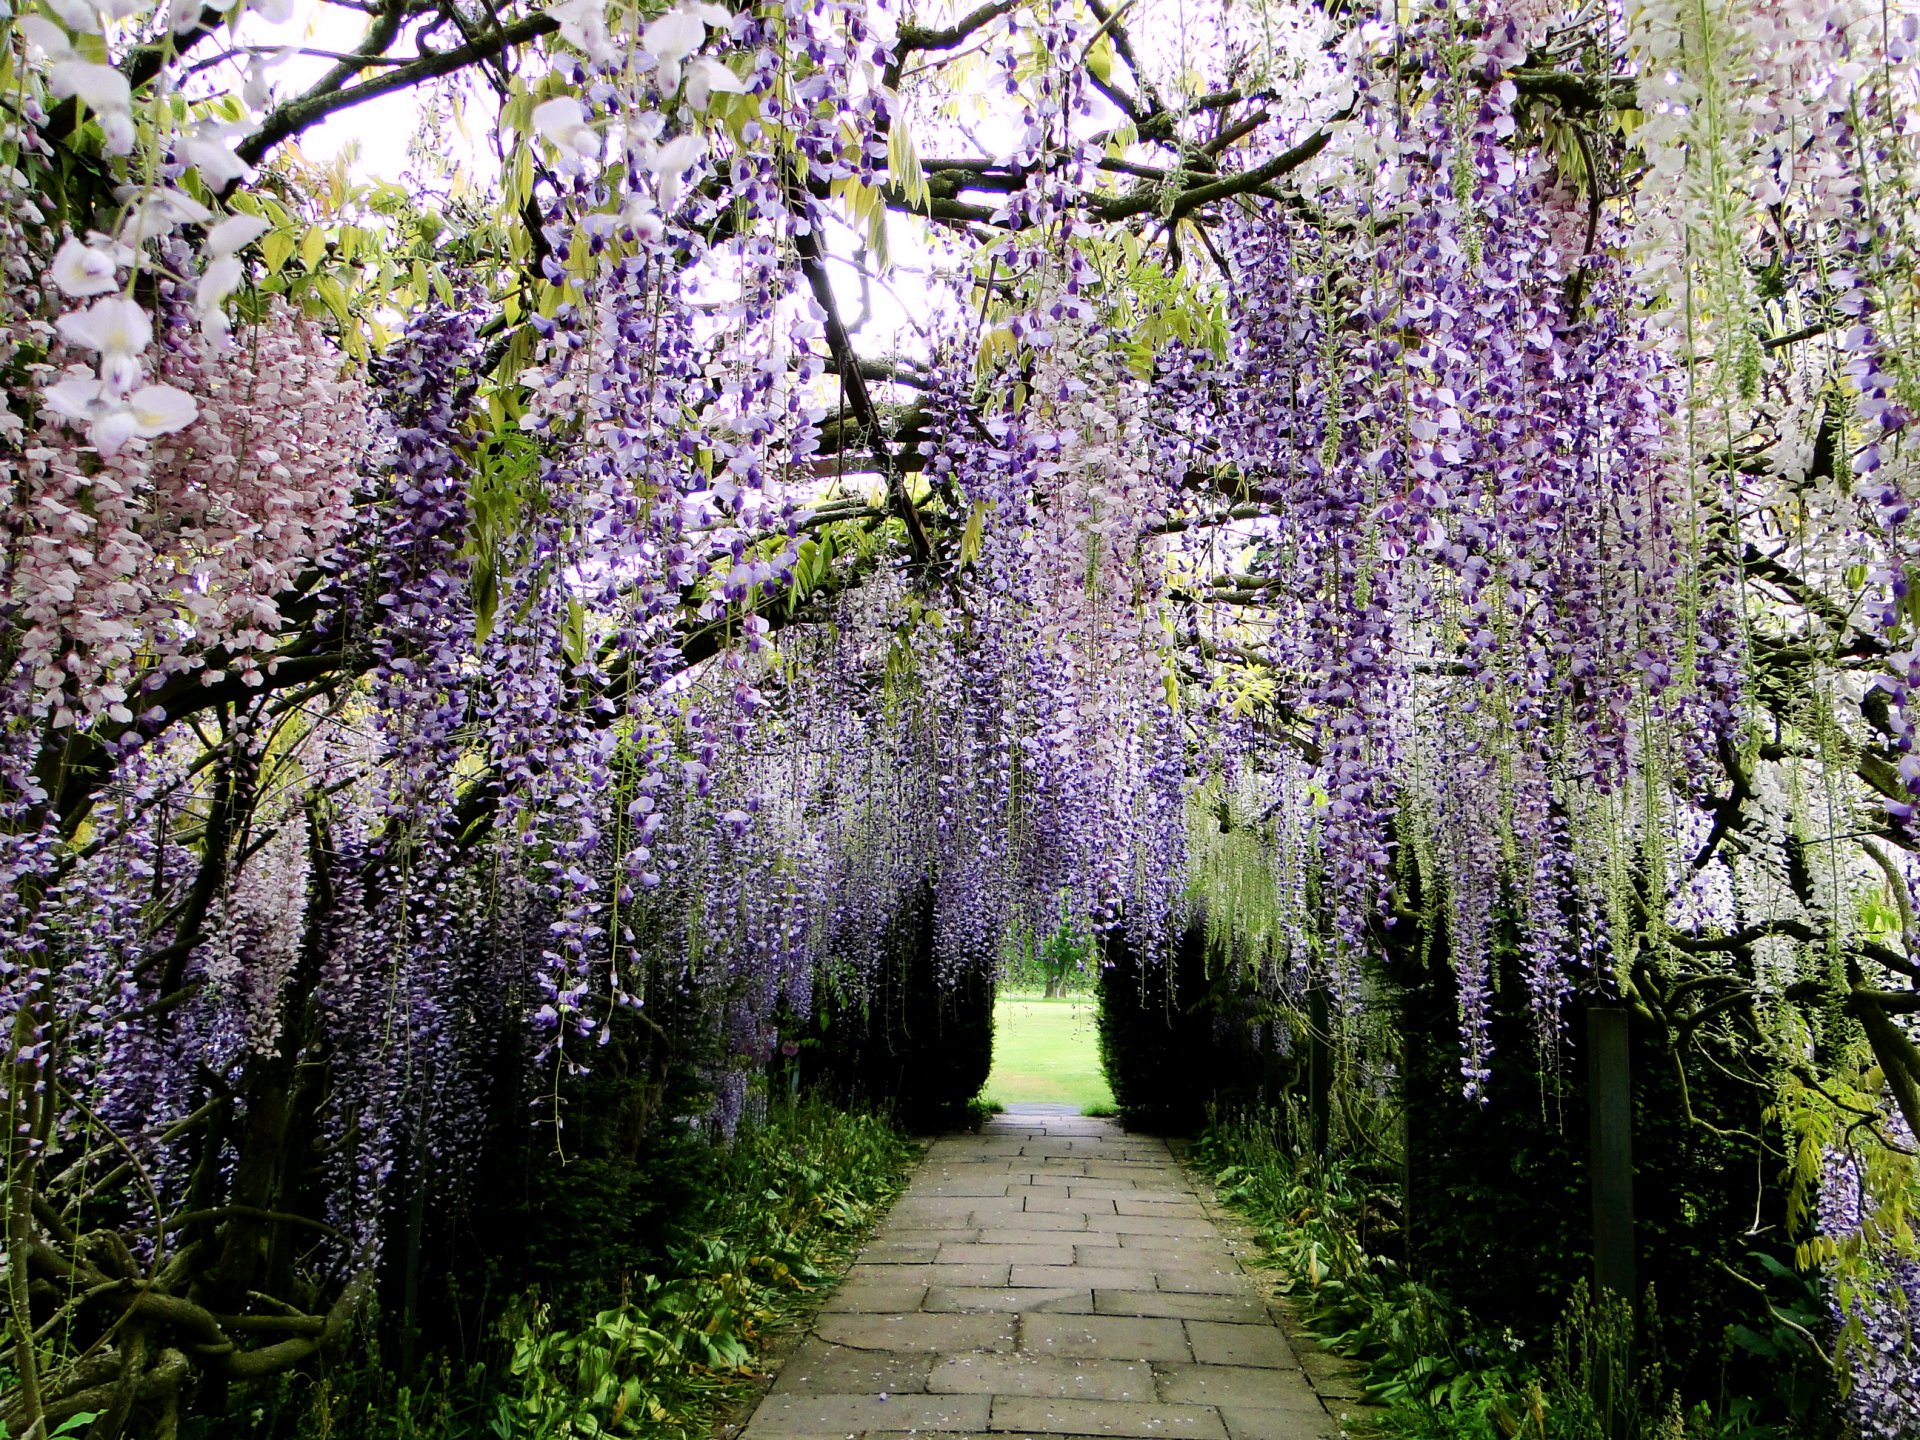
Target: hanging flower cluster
x=1875, y=1302
x=1464, y=440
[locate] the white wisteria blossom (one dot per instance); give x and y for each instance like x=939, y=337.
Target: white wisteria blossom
x=562, y=123
x=82, y=271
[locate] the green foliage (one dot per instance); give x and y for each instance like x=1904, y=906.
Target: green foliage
x=1441, y=1371
x=781, y=1206
x=1055, y=963
x=1168, y=1043
x=909, y=1037
x=749, y=1237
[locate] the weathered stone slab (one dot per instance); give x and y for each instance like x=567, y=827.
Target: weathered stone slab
x=1123, y=1224
x=1334, y=1376
x=1161, y=1177
x=929, y=1274
x=853, y=1414
x=1107, y=1418
x=1173, y=1209
x=1261, y=1346
x=1251, y=1423
x=1093, y=1251
x=1029, y=1222
x=1235, y=1309
x=1105, y=1337
x=818, y=1368
x=1065, y=1204
x=1209, y=1245
x=954, y=1212
x=1060, y=1252
x=1041, y=1375
x=1234, y=1385
x=1065, y=1300
x=1202, y=1282
x=876, y=1297
x=914, y=1233
x=918, y=1333
x=1084, y=1272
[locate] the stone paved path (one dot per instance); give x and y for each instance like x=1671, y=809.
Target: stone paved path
x=1050, y=1276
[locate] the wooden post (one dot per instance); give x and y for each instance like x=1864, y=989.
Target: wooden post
x=1319, y=1071
x=1610, y=1156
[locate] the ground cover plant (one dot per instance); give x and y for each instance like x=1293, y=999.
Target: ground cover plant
x=1437, y=1369
x=1387, y=531
x=663, y=1347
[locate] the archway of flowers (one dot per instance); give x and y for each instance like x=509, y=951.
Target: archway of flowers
x=1344, y=477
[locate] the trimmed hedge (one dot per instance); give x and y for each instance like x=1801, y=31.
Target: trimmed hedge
x=912, y=1039
x=1170, y=1041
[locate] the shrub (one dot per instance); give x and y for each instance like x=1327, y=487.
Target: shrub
x=1171, y=1040
x=907, y=1037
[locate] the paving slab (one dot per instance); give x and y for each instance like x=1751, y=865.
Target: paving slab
x=1105, y=1337
x=1087, y=1269
x=1334, y=1376
x=852, y=1414
x=918, y=1333
x=1051, y=1277
x=1259, y=1346
x=973, y=1274
x=1233, y=1309
x=1043, y=1377
x=1106, y=1417
x=818, y=1368
x=876, y=1297
x=1189, y=1206
x=1233, y=1385
x=1046, y=1202
x=1219, y=1281
x=1248, y=1422
x=1055, y=1251
x=1195, y=1226
x=1064, y=1300
x=1032, y=1222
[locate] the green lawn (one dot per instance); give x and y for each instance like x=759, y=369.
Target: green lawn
x=1045, y=1050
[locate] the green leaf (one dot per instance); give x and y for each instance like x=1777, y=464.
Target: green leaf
x=313, y=248
x=573, y=638
x=974, y=536
x=276, y=248
x=1100, y=58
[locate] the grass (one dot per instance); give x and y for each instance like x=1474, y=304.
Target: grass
x=1044, y=1050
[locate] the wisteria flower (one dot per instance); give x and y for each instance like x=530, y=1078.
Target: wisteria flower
x=707, y=77
x=103, y=90
x=81, y=15
x=670, y=163
x=208, y=148
x=671, y=37
x=220, y=280
x=234, y=234
x=562, y=123
x=583, y=24
x=160, y=212
x=112, y=326
x=111, y=419
x=80, y=270
x=47, y=37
